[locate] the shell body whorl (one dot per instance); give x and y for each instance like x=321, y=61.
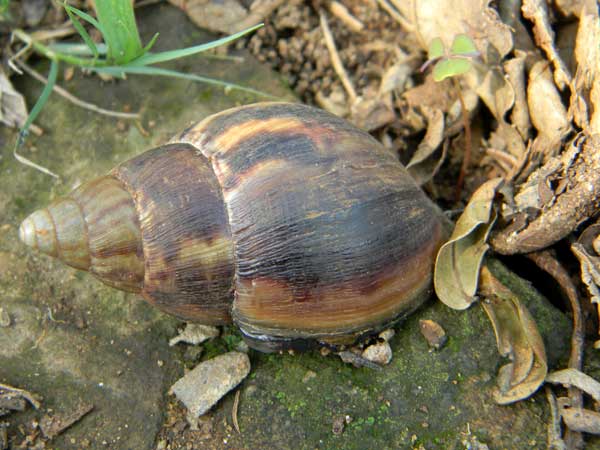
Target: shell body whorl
x=283, y=218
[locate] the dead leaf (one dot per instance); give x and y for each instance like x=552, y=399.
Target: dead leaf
x=517, y=338
x=537, y=12
x=495, y=91
x=515, y=71
x=13, y=110
x=52, y=426
x=448, y=19
x=459, y=260
x=574, y=377
x=422, y=166
x=370, y=112
x=569, y=7
x=547, y=112
x=587, y=76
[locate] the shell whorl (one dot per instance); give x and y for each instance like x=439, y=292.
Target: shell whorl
x=94, y=228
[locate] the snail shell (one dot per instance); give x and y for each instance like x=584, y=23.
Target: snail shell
x=286, y=220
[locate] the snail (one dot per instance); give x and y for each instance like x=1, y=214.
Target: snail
x=286, y=220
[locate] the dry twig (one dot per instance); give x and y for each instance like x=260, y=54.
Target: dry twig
x=234, y=411
x=336, y=61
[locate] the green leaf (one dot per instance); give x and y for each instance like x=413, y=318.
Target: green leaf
x=85, y=16
x=436, y=49
x=119, y=71
x=463, y=45
x=154, y=58
x=150, y=44
x=450, y=67
x=81, y=30
x=41, y=101
x=459, y=260
x=119, y=29
x=76, y=49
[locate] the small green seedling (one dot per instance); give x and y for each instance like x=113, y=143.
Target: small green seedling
x=451, y=63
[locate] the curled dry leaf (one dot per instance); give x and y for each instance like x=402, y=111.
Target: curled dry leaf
x=574, y=377
x=422, y=166
x=537, y=12
x=433, y=333
x=517, y=338
x=519, y=116
x=459, y=260
x=585, y=103
x=554, y=201
x=547, y=112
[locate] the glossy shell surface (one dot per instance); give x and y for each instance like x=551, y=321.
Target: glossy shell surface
x=284, y=218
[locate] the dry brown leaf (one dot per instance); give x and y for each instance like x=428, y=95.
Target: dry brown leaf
x=574, y=377
x=495, y=91
x=13, y=110
x=517, y=337
x=515, y=71
x=370, y=112
x=587, y=76
x=546, y=109
x=537, y=12
x=447, y=19
x=569, y=7
x=589, y=259
x=422, y=166
x=459, y=260
x=433, y=333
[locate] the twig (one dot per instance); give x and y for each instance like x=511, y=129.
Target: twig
x=336, y=62
x=342, y=13
x=395, y=15
x=70, y=97
x=555, y=440
x=549, y=264
x=23, y=393
x=234, y=411
x=467, y=127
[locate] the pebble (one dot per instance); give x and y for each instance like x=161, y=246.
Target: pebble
x=380, y=353
x=195, y=334
x=209, y=381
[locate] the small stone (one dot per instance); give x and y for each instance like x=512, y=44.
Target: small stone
x=209, y=381
x=309, y=375
x=388, y=334
x=4, y=318
x=380, y=353
x=433, y=333
x=195, y=334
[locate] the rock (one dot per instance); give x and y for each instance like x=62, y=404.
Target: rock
x=209, y=381
x=379, y=353
x=195, y=334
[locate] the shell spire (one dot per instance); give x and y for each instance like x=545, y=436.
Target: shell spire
x=95, y=228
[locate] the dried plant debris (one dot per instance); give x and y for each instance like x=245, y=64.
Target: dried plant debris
x=53, y=425
x=13, y=399
x=553, y=201
x=458, y=261
x=13, y=111
x=517, y=338
x=587, y=251
x=433, y=333
x=195, y=334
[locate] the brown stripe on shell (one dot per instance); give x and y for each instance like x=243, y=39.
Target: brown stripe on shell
x=336, y=314
x=71, y=233
x=113, y=229
x=187, y=247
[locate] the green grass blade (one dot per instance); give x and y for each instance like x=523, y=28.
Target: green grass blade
x=154, y=58
x=85, y=16
x=157, y=71
x=119, y=30
x=150, y=44
x=82, y=31
x=76, y=49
